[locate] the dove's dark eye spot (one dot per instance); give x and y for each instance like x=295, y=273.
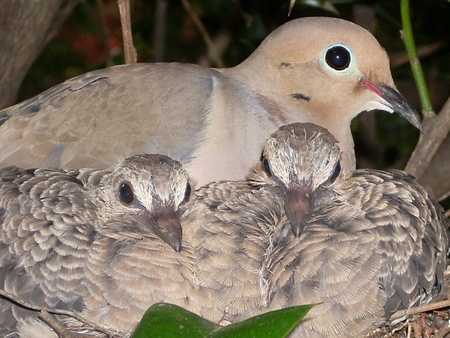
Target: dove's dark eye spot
x=338, y=57
x=336, y=172
x=126, y=193
x=187, y=193
x=267, y=166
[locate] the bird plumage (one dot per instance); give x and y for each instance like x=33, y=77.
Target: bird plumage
x=72, y=240
x=196, y=114
x=362, y=244
x=368, y=243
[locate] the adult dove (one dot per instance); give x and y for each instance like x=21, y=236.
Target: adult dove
x=76, y=239
x=215, y=121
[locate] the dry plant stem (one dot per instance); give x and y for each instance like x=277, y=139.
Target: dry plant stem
x=435, y=130
x=206, y=37
x=95, y=326
x=58, y=328
x=422, y=308
x=125, y=19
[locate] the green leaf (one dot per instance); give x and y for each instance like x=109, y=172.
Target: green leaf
x=164, y=320
x=275, y=324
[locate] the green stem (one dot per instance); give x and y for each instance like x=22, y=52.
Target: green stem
x=408, y=39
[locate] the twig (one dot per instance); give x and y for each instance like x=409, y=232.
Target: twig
x=422, y=308
x=58, y=328
x=96, y=326
x=206, y=37
x=125, y=19
x=434, y=132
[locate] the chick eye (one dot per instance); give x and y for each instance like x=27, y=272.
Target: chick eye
x=336, y=172
x=338, y=57
x=267, y=167
x=187, y=193
x=126, y=193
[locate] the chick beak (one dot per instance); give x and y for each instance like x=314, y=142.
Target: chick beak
x=298, y=207
x=395, y=101
x=168, y=227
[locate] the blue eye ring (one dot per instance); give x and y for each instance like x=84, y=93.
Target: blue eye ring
x=126, y=193
x=338, y=57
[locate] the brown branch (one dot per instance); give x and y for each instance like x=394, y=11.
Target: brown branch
x=435, y=129
x=125, y=19
x=422, y=308
x=95, y=325
x=58, y=328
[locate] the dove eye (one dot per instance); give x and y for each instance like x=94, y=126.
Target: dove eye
x=338, y=57
x=126, y=193
x=267, y=166
x=336, y=172
x=187, y=193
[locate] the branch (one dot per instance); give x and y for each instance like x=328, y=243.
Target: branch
x=95, y=326
x=58, y=328
x=434, y=131
x=125, y=19
x=422, y=308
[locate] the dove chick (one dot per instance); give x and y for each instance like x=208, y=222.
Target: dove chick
x=79, y=240
x=367, y=243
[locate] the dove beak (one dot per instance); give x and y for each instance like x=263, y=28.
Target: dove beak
x=168, y=227
x=298, y=207
x=392, y=99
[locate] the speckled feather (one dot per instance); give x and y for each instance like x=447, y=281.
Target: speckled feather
x=68, y=242
x=375, y=242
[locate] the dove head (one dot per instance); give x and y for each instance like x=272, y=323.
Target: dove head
x=301, y=157
x=151, y=188
x=326, y=71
